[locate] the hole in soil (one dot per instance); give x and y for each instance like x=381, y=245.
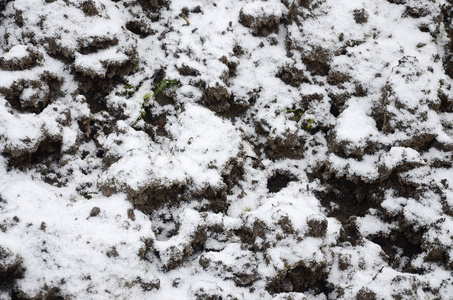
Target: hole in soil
x=351, y=198
x=278, y=182
x=334, y=110
x=401, y=250
x=45, y=150
x=346, y=200
x=96, y=89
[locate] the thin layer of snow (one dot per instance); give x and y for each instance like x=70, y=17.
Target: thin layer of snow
x=61, y=245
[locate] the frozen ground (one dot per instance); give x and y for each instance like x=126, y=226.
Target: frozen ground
x=157, y=149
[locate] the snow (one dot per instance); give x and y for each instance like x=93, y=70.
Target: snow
x=256, y=8
x=355, y=125
x=17, y=51
x=369, y=225
x=384, y=134
x=196, y=155
x=68, y=231
x=366, y=169
x=19, y=132
x=399, y=155
x=202, y=151
x=98, y=62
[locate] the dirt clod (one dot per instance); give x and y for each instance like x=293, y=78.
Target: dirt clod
x=216, y=98
x=365, y=294
x=360, y=16
x=317, y=226
x=298, y=278
x=262, y=24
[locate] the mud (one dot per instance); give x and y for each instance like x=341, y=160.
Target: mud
x=89, y=8
x=156, y=197
x=140, y=28
x=153, y=5
x=360, y=16
x=95, y=87
x=289, y=145
x=365, y=294
x=175, y=256
x=3, y=4
x=242, y=275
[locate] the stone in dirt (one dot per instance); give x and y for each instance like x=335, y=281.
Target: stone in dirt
x=95, y=211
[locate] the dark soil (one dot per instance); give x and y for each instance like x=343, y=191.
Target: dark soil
x=278, y=182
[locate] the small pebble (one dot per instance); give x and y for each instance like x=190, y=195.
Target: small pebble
x=131, y=214
x=95, y=211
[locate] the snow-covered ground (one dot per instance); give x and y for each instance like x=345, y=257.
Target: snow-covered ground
x=172, y=149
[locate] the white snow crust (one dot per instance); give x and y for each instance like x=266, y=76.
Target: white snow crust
x=366, y=147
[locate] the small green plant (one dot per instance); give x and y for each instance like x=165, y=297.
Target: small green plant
x=129, y=89
x=147, y=97
x=136, y=68
x=142, y=112
x=145, y=102
x=161, y=86
x=164, y=84
x=310, y=124
x=89, y=195
x=128, y=86
x=449, y=125
x=297, y=114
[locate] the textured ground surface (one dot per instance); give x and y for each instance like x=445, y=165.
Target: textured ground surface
x=157, y=149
